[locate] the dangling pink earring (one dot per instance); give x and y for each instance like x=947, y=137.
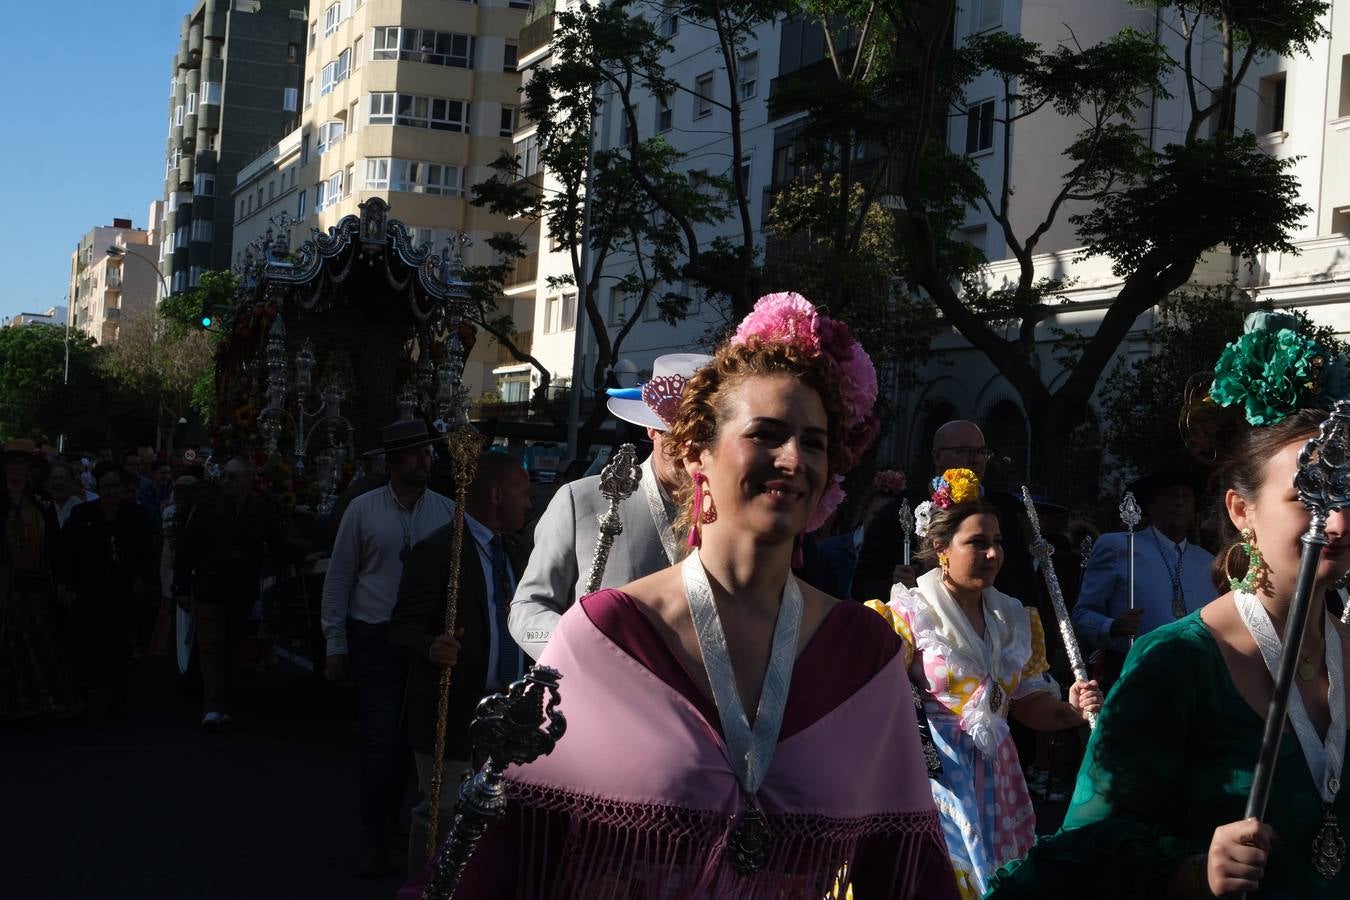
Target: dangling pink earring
x=695, y=535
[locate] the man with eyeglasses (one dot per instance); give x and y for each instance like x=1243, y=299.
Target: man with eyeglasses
x=960, y=444
x=377, y=533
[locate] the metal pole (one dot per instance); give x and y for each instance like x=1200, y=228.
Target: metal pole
x=1131, y=516
x=65, y=378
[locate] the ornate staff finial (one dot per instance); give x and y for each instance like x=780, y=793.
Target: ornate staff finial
x=1130, y=513
x=511, y=728
x=906, y=516
x=618, y=480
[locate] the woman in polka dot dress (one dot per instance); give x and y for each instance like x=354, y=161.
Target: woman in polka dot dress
x=977, y=656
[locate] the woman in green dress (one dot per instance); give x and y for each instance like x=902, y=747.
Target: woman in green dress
x=1158, y=808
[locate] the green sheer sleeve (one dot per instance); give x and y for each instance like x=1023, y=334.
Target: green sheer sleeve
x=1122, y=836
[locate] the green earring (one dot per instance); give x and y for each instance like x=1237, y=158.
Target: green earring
x=1248, y=582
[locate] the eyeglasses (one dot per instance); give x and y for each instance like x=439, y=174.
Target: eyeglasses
x=967, y=452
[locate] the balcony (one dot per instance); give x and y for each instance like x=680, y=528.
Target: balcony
x=114, y=280
x=524, y=341
x=538, y=31
x=525, y=272
x=112, y=314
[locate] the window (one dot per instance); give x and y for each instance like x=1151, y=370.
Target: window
x=670, y=21
x=381, y=109
x=289, y=98
x=331, y=17
x=703, y=92
x=569, y=312
x=430, y=112
x=664, y=118
x=336, y=72
x=313, y=34
x=356, y=52
x=441, y=48
x=748, y=73
x=330, y=133
x=352, y=118
x=445, y=181
x=192, y=104
x=510, y=54
x=551, y=307
x=211, y=92
x=205, y=186
x=1271, y=112
x=747, y=159
x=309, y=92
x=178, y=115
x=508, y=123
x=334, y=188
x=300, y=205
x=986, y=14
x=620, y=305
x=292, y=53
x=202, y=229
x=350, y=176
x=527, y=156
x=519, y=4
x=320, y=195
x=626, y=128
x=1343, y=109
x=377, y=174
x=271, y=190
x=980, y=127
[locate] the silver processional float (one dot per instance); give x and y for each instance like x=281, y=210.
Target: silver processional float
x=1041, y=549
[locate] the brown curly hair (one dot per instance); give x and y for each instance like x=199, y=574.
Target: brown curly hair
x=703, y=406
x=944, y=525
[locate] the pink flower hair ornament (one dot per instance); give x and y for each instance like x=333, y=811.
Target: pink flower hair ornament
x=790, y=318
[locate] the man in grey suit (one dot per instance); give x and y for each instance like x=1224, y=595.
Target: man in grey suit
x=564, y=538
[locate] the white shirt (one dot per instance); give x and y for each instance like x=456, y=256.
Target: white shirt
x=482, y=539
x=367, y=561
x=63, y=509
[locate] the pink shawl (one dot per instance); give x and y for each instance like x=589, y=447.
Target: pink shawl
x=639, y=797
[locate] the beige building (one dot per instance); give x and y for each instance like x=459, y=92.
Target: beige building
x=104, y=286
x=407, y=100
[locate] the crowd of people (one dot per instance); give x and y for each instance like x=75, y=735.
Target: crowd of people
x=763, y=698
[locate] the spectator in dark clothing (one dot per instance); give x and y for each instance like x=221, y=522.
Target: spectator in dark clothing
x=111, y=565
x=219, y=561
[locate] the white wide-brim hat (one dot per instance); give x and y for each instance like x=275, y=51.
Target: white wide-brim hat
x=654, y=404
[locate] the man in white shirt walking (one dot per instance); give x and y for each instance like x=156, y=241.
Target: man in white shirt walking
x=377, y=532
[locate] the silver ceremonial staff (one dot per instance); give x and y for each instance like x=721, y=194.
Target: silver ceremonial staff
x=618, y=480
x=511, y=728
x=1323, y=484
x=1130, y=516
x=906, y=525
x=1041, y=549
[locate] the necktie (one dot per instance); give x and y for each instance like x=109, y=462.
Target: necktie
x=508, y=654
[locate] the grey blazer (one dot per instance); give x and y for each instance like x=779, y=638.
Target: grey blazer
x=564, y=545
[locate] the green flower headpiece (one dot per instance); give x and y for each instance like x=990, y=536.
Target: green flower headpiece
x=1273, y=371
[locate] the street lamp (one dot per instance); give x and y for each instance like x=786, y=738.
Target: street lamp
x=117, y=251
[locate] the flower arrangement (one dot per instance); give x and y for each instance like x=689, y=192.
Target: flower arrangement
x=790, y=318
x=952, y=487
x=1272, y=371
x=890, y=481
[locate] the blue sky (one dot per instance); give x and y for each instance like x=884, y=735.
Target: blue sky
x=86, y=86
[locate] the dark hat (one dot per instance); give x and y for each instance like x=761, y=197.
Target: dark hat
x=1155, y=481
x=405, y=434
x=21, y=447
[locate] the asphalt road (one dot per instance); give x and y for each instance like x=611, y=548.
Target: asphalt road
x=156, y=809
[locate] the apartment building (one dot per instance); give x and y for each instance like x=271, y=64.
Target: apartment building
x=113, y=271
x=53, y=315
x=234, y=90
x=407, y=100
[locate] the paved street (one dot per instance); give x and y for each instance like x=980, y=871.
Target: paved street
x=154, y=809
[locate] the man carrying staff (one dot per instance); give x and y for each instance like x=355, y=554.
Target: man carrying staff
x=1172, y=575
x=376, y=536
x=564, y=539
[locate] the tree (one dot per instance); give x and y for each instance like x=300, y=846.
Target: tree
x=647, y=213
x=1153, y=213
x=166, y=354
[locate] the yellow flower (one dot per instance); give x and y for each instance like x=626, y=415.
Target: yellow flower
x=963, y=484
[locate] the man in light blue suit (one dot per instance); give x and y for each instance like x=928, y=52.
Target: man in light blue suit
x=1172, y=575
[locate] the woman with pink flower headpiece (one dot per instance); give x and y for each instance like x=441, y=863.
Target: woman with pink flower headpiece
x=732, y=731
